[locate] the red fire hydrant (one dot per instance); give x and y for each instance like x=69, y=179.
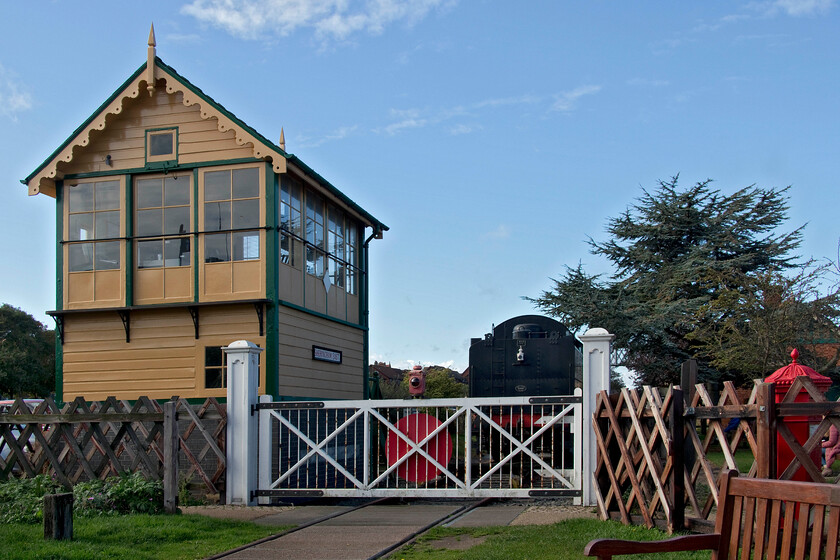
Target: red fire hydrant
x=800, y=426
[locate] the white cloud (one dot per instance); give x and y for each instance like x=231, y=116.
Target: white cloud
x=801, y=7
x=501, y=232
x=567, y=101
x=13, y=98
x=460, y=129
x=330, y=19
x=405, y=119
x=338, y=134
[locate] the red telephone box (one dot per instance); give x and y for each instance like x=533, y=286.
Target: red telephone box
x=800, y=426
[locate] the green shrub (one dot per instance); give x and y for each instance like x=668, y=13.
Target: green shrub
x=127, y=493
x=23, y=499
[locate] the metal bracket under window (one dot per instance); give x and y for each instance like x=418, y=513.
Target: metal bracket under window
x=194, y=314
x=125, y=317
x=259, y=309
x=59, y=325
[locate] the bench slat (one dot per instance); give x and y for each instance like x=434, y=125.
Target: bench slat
x=832, y=533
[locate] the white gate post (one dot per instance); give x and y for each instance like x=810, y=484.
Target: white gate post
x=241, y=436
x=596, y=378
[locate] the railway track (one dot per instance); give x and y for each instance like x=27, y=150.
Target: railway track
x=324, y=530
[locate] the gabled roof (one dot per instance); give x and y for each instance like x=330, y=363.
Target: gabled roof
x=42, y=180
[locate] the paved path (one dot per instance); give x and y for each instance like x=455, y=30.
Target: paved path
x=361, y=533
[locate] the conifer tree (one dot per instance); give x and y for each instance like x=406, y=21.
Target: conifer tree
x=685, y=261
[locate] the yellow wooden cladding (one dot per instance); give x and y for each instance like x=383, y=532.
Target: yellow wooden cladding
x=124, y=139
x=300, y=375
x=163, y=358
x=129, y=100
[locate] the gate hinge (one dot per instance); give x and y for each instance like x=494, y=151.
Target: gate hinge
x=253, y=409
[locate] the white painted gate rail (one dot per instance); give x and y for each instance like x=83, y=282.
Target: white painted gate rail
x=504, y=447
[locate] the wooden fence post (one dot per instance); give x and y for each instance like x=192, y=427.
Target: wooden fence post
x=58, y=516
x=676, y=455
x=170, y=456
x=765, y=424
x=688, y=379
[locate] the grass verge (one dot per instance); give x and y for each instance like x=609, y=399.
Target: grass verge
x=139, y=537
x=561, y=541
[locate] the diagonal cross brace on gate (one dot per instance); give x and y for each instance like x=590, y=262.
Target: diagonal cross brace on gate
x=316, y=448
x=523, y=446
x=536, y=455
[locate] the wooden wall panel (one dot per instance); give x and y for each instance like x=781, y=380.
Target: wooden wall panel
x=300, y=375
x=163, y=357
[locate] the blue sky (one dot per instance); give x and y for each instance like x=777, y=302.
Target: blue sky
x=493, y=138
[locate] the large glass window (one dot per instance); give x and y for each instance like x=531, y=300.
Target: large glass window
x=314, y=234
x=231, y=205
x=290, y=197
x=335, y=245
x=162, y=212
x=352, y=273
x=93, y=226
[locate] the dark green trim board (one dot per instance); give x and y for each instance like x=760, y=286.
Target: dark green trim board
x=365, y=319
x=59, y=286
x=129, y=244
x=297, y=307
x=171, y=169
x=272, y=256
x=194, y=247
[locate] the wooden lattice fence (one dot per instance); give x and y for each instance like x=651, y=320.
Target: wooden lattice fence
x=654, y=446
x=93, y=440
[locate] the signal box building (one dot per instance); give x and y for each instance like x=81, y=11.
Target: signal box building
x=181, y=229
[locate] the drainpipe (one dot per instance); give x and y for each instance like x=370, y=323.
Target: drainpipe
x=377, y=234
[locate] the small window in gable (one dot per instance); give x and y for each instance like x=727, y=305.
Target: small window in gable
x=162, y=145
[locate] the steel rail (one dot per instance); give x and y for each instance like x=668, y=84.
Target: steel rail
x=297, y=528
x=448, y=518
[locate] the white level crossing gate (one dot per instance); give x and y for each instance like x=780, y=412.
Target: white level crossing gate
x=502, y=447
x=505, y=447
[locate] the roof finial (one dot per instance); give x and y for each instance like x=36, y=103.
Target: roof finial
x=282, y=143
x=150, y=62
x=794, y=355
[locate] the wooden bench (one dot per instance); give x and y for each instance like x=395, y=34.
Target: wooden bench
x=762, y=518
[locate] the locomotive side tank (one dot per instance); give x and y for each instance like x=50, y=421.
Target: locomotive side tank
x=529, y=355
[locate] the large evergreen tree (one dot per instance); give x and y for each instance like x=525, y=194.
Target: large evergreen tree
x=27, y=355
x=684, y=261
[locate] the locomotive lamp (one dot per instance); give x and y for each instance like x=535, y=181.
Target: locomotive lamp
x=417, y=382
x=520, y=355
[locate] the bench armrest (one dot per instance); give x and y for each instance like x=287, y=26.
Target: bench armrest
x=607, y=548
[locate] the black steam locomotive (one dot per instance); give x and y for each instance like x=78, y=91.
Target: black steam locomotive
x=529, y=355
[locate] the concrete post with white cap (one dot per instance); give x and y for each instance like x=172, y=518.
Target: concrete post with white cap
x=241, y=437
x=596, y=378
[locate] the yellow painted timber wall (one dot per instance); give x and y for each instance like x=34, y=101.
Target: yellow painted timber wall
x=124, y=139
x=163, y=357
x=300, y=375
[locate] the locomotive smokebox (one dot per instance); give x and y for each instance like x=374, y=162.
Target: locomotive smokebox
x=529, y=355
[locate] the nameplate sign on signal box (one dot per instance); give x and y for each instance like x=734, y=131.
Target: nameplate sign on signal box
x=326, y=355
